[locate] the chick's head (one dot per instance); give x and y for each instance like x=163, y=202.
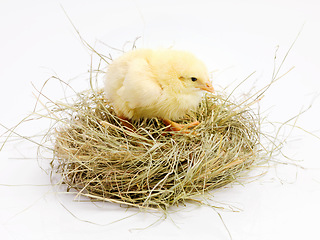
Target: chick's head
x=184, y=73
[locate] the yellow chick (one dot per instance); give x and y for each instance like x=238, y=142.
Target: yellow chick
x=163, y=83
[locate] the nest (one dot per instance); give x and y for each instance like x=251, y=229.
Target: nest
x=150, y=166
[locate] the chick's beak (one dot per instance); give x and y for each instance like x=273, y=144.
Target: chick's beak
x=207, y=87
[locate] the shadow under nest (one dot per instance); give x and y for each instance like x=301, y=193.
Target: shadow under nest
x=152, y=167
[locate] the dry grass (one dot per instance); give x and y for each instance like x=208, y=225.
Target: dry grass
x=151, y=167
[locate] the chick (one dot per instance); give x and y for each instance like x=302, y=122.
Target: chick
x=164, y=83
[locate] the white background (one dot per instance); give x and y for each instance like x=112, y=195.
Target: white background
x=234, y=38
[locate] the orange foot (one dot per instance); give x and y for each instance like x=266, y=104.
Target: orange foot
x=173, y=126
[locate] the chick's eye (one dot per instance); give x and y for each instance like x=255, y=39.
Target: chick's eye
x=193, y=79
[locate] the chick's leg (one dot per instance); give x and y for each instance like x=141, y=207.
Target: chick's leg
x=179, y=127
x=126, y=122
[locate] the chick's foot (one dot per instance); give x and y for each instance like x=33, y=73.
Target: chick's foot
x=173, y=126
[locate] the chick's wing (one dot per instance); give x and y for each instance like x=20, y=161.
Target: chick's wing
x=140, y=87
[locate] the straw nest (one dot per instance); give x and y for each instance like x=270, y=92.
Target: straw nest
x=152, y=167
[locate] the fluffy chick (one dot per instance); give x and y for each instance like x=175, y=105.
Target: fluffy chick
x=164, y=83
